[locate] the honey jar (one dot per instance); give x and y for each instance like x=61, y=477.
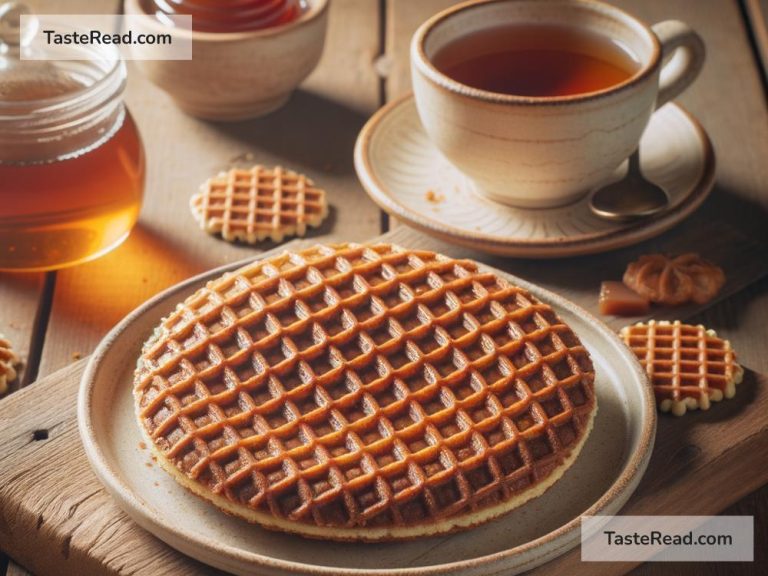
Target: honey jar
x=71, y=158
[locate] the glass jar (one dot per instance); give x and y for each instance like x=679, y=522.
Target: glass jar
x=71, y=159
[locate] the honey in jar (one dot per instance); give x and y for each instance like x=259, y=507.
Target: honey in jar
x=71, y=160
x=229, y=15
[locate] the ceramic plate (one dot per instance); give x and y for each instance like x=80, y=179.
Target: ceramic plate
x=409, y=178
x=602, y=479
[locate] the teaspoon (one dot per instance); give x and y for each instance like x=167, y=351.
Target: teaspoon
x=632, y=197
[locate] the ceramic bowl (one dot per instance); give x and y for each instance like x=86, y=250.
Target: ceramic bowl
x=238, y=75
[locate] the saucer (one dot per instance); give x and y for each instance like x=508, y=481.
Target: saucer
x=407, y=176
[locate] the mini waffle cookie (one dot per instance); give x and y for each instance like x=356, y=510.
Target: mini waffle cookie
x=689, y=366
x=8, y=362
x=366, y=393
x=259, y=204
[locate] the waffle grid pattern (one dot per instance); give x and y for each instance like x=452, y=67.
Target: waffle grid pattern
x=259, y=203
x=688, y=365
x=365, y=386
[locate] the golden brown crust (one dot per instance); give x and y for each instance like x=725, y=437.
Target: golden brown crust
x=365, y=392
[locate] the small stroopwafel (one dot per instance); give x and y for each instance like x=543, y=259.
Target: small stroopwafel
x=259, y=204
x=689, y=366
x=8, y=362
x=357, y=392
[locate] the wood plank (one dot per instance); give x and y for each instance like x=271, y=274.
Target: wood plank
x=747, y=307
x=403, y=18
x=313, y=134
x=757, y=11
x=74, y=527
x=346, y=74
x=53, y=522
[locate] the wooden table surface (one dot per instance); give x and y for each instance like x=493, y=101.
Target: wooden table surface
x=56, y=318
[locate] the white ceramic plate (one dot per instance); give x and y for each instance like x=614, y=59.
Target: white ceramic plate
x=604, y=476
x=409, y=178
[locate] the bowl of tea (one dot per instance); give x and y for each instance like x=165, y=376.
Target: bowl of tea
x=539, y=102
x=247, y=55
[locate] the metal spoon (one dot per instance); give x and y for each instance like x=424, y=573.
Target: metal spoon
x=630, y=198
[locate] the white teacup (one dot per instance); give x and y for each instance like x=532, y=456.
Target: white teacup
x=547, y=151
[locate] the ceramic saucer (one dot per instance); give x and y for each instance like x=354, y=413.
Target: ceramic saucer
x=599, y=483
x=409, y=178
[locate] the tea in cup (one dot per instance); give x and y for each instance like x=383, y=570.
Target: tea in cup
x=539, y=101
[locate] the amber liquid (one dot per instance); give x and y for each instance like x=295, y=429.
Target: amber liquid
x=229, y=15
x=67, y=211
x=538, y=61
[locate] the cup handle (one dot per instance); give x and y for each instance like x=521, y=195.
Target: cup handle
x=683, y=51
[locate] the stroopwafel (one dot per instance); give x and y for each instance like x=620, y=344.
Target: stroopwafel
x=8, y=362
x=689, y=366
x=259, y=204
x=356, y=392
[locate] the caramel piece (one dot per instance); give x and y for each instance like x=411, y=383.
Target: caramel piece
x=673, y=281
x=618, y=300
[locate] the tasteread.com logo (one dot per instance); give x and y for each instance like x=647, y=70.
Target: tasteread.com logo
x=99, y=37
x=658, y=538
x=134, y=37
x=667, y=538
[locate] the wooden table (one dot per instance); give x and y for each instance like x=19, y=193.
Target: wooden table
x=57, y=318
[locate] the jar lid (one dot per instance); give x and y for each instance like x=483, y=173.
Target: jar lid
x=56, y=100
x=32, y=72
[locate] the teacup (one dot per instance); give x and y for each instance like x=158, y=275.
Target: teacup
x=545, y=151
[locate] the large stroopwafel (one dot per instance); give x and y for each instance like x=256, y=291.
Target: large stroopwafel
x=689, y=366
x=259, y=203
x=365, y=393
